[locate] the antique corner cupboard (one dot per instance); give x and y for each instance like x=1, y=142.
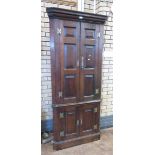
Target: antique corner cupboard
x=76, y=42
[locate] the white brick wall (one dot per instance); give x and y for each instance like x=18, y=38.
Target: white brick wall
x=102, y=7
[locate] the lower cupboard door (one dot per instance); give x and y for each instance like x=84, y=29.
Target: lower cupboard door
x=89, y=119
x=66, y=122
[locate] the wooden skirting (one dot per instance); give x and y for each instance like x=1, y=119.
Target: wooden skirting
x=75, y=141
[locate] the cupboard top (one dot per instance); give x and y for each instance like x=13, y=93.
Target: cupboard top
x=75, y=15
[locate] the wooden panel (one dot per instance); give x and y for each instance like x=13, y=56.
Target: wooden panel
x=89, y=114
x=72, y=116
x=90, y=33
x=69, y=86
x=69, y=31
x=89, y=79
x=55, y=57
x=65, y=123
x=89, y=56
x=89, y=84
x=70, y=52
x=69, y=49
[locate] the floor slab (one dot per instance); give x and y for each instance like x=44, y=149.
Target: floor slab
x=104, y=146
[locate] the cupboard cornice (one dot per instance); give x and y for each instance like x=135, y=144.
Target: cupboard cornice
x=75, y=15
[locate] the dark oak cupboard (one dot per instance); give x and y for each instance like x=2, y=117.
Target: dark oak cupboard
x=76, y=57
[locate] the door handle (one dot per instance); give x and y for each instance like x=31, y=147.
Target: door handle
x=81, y=122
x=82, y=62
x=77, y=123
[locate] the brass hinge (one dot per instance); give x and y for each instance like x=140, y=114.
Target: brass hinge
x=62, y=133
x=95, y=126
x=60, y=94
x=96, y=91
x=58, y=31
x=98, y=35
x=61, y=115
x=95, y=109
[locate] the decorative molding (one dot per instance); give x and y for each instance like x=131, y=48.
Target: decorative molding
x=75, y=15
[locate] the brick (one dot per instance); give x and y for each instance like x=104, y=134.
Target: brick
x=43, y=87
x=46, y=66
x=110, y=92
x=108, y=41
x=49, y=86
x=42, y=24
x=108, y=66
x=74, y=8
x=44, y=78
x=108, y=81
x=109, y=113
x=51, y=5
x=48, y=53
x=46, y=25
x=45, y=48
x=109, y=106
x=45, y=20
x=110, y=77
x=65, y=7
x=105, y=70
x=108, y=32
x=105, y=78
x=108, y=23
x=105, y=62
x=107, y=37
x=103, y=107
x=110, y=70
x=43, y=52
x=110, y=19
x=49, y=78
x=106, y=103
x=43, y=9
x=46, y=74
x=107, y=45
x=45, y=38
x=86, y=6
x=45, y=29
x=48, y=61
x=42, y=34
x=108, y=58
x=45, y=82
x=105, y=96
x=45, y=70
x=47, y=34
x=44, y=95
x=46, y=91
x=42, y=3
x=42, y=14
x=43, y=62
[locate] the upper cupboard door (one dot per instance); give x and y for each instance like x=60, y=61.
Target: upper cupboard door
x=90, y=61
x=69, y=53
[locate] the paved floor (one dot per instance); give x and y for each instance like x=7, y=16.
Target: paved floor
x=104, y=146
